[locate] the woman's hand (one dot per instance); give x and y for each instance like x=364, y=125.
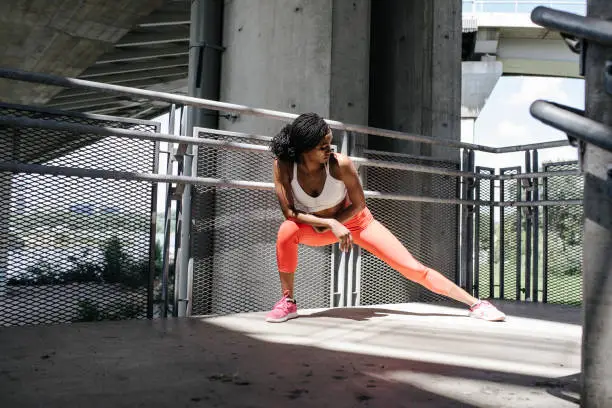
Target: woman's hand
x=343, y=235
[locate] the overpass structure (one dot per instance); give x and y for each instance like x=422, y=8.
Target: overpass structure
x=499, y=38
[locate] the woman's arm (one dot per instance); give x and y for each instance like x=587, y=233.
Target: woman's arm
x=348, y=174
x=282, y=186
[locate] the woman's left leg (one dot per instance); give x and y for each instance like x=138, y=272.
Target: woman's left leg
x=378, y=240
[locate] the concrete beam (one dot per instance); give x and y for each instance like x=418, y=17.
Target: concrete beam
x=478, y=79
x=60, y=37
x=76, y=93
x=164, y=18
x=138, y=39
x=138, y=76
x=135, y=67
x=518, y=66
x=121, y=55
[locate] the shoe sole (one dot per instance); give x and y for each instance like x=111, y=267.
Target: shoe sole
x=282, y=319
x=499, y=319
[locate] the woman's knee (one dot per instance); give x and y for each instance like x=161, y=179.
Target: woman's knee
x=287, y=232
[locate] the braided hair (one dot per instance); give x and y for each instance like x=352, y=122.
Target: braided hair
x=302, y=135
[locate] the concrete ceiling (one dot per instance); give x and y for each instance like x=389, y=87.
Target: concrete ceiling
x=136, y=43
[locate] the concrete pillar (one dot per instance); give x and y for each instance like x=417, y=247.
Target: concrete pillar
x=294, y=56
x=597, y=245
x=198, y=204
x=478, y=79
x=415, y=86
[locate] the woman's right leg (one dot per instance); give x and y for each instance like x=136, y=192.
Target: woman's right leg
x=290, y=235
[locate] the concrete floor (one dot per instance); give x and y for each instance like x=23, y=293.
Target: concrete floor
x=411, y=355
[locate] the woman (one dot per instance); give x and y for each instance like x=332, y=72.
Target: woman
x=323, y=203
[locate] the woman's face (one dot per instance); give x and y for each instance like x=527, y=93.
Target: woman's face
x=321, y=153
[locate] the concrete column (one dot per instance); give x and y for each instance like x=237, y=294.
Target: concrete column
x=294, y=56
x=597, y=245
x=478, y=79
x=199, y=202
x=415, y=86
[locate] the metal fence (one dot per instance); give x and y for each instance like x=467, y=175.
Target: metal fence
x=224, y=243
x=427, y=229
x=234, y=235
x=531, y=252
x=75, y=249
x=562, y=237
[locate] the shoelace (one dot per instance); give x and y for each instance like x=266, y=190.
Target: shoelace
x=284, y=305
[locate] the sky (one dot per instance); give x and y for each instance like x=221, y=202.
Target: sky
x=505, y=119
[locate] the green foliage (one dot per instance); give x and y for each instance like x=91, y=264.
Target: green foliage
x=88, y=311
x=117, y=267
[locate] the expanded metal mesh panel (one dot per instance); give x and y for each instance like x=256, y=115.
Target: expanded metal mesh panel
x=510, y=240
x=485, y=243
x=429, y=231
x=234, y=242
x=563, y=229
x=74, y=249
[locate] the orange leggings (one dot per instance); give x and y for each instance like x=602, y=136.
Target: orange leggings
x=368, y=234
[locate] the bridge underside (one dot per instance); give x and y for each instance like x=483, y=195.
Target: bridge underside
x=385, y=356
x=140, y=43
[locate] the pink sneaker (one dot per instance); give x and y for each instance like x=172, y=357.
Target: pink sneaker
x=283, y=310
x=486, y=311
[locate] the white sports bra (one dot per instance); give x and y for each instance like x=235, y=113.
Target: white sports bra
x=333, y=193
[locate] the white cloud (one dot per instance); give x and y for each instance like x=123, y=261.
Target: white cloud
x=539, y=88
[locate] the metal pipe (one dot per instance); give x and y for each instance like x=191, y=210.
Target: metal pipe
x=502, y=241
x=222, y=144
x=167, y=222
x=567, y=120
x=470, y=226
x=545, y=221
x=54, y=80
x=475, y=290
x=16, y=167
x=589, y=28
x=492, y=237
x=528, y=237
x=536, y=230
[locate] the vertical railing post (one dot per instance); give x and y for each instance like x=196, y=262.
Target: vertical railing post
x=528, y=184
x=461, y=280
x=167, y=219
x=470, y=226
x=477, y=222
x=502, y=239
x=492, y=209
x=342, y=270
x=545, y=239
x=536, y=228
x=357, y=146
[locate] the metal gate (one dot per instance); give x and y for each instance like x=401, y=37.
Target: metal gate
x=76, y=249
x=530, y=252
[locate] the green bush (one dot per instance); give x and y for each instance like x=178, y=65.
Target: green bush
x=90, y=312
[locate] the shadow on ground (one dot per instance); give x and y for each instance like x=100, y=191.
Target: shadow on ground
x=196, y=363
x=366, y=313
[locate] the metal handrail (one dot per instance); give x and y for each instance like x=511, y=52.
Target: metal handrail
x=229, y=145
x=588, y=28
x=570, y=121
x=54, y=80
x=15, y=167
